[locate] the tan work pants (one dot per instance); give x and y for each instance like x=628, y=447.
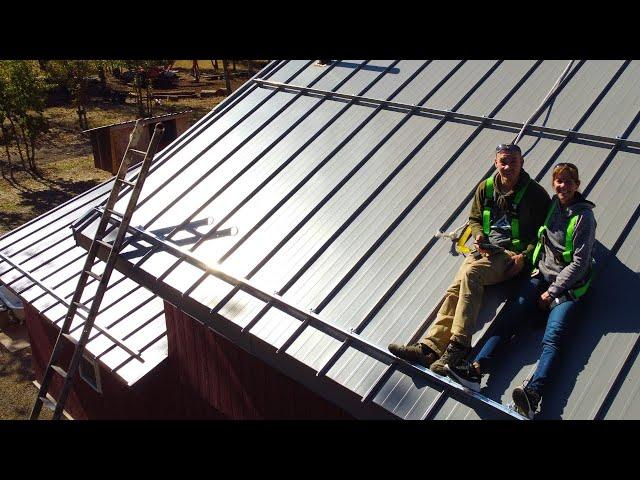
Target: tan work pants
x=456, y=319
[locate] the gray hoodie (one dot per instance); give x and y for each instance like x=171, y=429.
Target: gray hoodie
x=561, y=275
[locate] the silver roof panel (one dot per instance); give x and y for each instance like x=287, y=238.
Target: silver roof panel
x=336, y=209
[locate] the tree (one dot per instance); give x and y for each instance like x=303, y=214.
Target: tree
x=227, y=79
x=195, y=70
x=144, y=72
x=21, y=110
x=74, y=76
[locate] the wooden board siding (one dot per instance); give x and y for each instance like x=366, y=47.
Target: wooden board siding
x=155, y=396
x=232, y=381
x=110, y=142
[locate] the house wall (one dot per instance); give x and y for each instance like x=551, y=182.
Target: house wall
x=155, y=396
x=220, y=374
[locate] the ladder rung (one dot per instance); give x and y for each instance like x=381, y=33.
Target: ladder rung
x=70, y=338
x=82, y=306
x=93, y=275
x=103, y=243
x=59, y=370
x=139, y=152
x=113, y=212
x=51, y=405
x=127, y=182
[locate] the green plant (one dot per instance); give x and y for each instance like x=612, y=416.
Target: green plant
x=143, y=71
x=21, y=110
x=74, y=76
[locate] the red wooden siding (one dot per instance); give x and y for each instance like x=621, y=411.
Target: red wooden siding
x=234, y=382
x=156, y=396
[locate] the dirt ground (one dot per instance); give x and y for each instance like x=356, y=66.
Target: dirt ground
x=66, y=169
x=17, y=392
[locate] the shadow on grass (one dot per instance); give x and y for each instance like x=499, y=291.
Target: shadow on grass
x=42, y=201
x=9, y=221
x=17, y=365
x=18, y=393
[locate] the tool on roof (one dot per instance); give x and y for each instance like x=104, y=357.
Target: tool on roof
x=461, y=235
x=103, y=278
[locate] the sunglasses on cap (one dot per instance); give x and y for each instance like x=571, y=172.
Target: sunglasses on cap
x=508, y=147
x=566, y=164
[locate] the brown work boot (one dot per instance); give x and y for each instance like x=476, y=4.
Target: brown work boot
x=417, y=353
x=452, y=355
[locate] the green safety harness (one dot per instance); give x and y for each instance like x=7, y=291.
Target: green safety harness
x=567, y=254
x=516, y=245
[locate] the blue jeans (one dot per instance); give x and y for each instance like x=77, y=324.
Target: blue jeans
x=512, y=318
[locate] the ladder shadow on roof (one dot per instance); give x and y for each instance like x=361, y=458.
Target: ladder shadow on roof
x=195, y=235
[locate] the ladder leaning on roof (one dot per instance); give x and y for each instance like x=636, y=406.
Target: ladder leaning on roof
x=103, y=278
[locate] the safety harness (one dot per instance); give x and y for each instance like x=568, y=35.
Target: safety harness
x=516, y=244
x=567, y=254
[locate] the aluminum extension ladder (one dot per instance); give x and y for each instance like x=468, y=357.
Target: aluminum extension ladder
x=103, y=279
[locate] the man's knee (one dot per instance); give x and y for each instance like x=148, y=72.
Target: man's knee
x=474, y=275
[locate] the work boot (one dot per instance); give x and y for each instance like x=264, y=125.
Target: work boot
x=465, y=374
x=526, y=401
x=417, y=353
x=452, y=355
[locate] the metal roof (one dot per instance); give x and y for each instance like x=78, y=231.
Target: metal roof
x=42, y=263
x=338, y=181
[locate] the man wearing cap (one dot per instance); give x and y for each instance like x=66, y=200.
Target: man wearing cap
x=507, y=210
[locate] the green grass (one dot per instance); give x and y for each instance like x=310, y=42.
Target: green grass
x=65, y=158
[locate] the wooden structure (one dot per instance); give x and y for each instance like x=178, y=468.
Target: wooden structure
x=67, y=373
x=110, y=142
x=218, y=378
x=205, y=377
x=151, y=398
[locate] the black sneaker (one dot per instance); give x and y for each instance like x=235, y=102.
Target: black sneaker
x=416, y=353
x=452, y=356
x=465, y=374
x=526, y=401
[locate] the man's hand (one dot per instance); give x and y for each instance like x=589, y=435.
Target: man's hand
x=544, y=301
x=516, y=265
x=481, y=239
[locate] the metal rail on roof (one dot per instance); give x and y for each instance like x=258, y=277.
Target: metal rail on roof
x=574, y=135
x=338, y=353
x=193, y=214
x=35, y=280
x=85, y=220
x=230, y=154
x=365, y=159
x=222, y=135
x=461, y=205
x=192, y=132
x=365, y=321
x=311, y=318
x=603, y=262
